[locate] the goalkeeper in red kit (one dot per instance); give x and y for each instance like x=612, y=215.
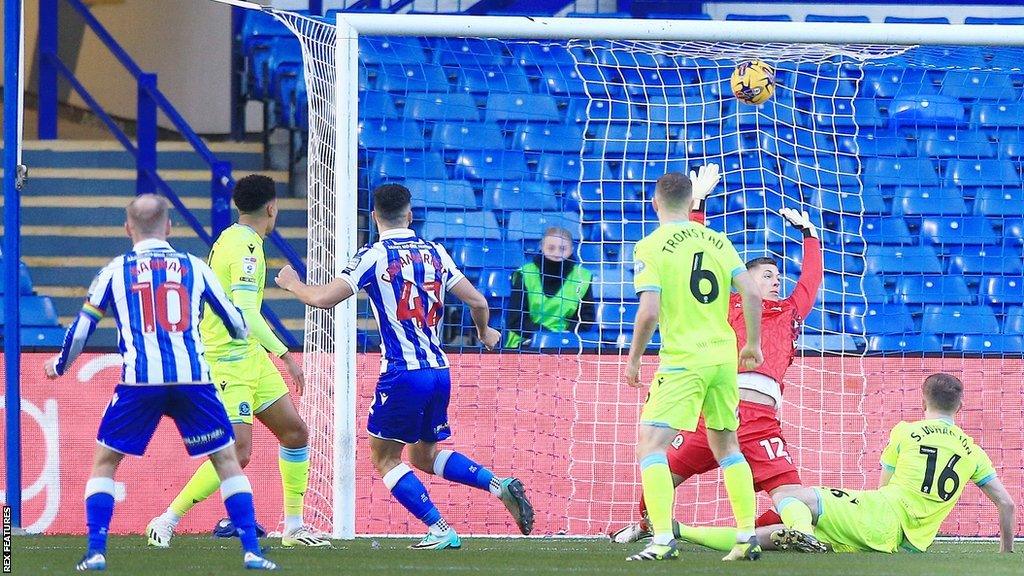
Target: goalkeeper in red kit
x=760, y=432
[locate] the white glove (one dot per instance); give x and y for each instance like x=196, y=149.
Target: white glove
x=801, y=220
x=702, y=182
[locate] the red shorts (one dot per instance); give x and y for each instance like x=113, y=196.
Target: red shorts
x=761, y=442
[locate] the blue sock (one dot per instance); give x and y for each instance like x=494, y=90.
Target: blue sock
x=237, y=493
x=455, y=467
x=411, y=493
x=99, y=509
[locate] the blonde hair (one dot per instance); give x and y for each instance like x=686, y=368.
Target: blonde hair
x=559, y=232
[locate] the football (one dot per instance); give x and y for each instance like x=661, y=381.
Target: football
x=753, y=82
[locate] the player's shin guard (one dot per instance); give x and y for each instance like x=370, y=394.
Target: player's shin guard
x=739, y=484
x=411, y=493
x=455, y=467
x=795, y=514
x=237, y=494
x=201, y=486
x=294, y=466
x=658, y=494
x=99, y=509
x=715, y=537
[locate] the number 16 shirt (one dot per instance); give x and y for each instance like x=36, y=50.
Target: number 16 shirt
x=406, y=279
x=692, y=267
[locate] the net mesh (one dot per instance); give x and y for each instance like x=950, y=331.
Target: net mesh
x=499, y=140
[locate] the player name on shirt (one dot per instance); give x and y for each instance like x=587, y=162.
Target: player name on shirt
x=681, y=235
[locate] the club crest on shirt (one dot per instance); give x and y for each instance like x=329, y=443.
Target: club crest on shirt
x=244, y=409
x=638, y=266
x=249, y=265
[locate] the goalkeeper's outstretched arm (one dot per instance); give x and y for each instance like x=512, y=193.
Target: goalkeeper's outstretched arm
x=997, y=493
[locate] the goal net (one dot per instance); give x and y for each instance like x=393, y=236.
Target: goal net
x=906, y=159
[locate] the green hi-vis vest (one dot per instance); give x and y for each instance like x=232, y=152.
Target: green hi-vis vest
x=551, y=312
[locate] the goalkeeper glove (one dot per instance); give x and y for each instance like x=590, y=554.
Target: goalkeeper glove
x=702, y=182
x=801, y=220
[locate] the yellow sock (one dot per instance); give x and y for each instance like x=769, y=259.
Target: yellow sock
x=739, y=484
x=294, y=466
x=658, y=494
x=795, y=514
x=715, y=537
x=202, y=484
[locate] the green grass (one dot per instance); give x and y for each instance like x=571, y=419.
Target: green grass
x=490, y=556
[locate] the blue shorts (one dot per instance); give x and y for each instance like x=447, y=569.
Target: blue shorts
x=134, y=412
x=410, y=406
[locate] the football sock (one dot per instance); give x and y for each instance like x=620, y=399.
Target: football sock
x=439, y=528
x=411, y=493
x=795, y=514
x=739, y=485
x=203, y=483
x=714, y=537
x=659, y=494
x=294, y=466
x=99, y=509
x=237, y=494
x=455, y=467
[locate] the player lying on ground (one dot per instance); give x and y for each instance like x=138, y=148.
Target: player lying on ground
x=250, y=384
x=683, y=272
x=760, y=432
x=406, y=279
x=925, y=468
x=156, y=293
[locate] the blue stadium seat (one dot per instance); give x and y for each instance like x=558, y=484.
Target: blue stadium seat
x=560, y=168
x=915, y=201
x=24, y=279
x=835, y=261
x=981, y=173
x=932, y=289
x=827, y=342
x=820, y=321
x=469, y=225
x=385, y=50
x=526, y=195
x=495, y=283
x=376, y=106
x=869, y=144
x=957, y=231
x=612, y=231
x=904, y=20
x=900, y=172
x=999, y=202
x=442, y=194
x=947, y=143
x=1013, y=232
x=484, y=80
x=892, y=81
x=985, y=260
x=391, y=135
x=262, y=64
x=998, y=115
x=405, y=78
x=1011, y=145
x=548, y=138
x=42, y=336
x=560, y=341
x=901, y=260
x=711, y=145
x=533, y=55
x=831, y=18
x=612, y=283
x=900, y=343
x=833, y=111
x=580, y=110
x=1002, y=290
x=877, y=319
x=521, y=108
x=491, y=165
x=487, y=254
x=828, y=171
x=260, y=27
x=853, y=288
x=959, y=320
x=620, y=57
x=1014, y=322
x=760, y=17
x=989, y=343
x=791, y=142
x=918, y=110
x=567, y=80
x=615, y=314
x=468, y=51
x=878, y=230
x=962, y=57
x=870, y=201
x=636, y=138
x=468, y=136
x=651, y=170
x=441, y=107
x=754, y=199
x=407, y=164
x=35, y=311
x=1002, y=21
x=531, y=225
x=978, y=85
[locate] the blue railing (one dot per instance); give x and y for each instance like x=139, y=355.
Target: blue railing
x=150, y=101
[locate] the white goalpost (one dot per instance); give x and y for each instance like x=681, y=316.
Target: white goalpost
x=581, y=117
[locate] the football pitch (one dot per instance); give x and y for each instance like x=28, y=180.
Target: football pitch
x=491, y=556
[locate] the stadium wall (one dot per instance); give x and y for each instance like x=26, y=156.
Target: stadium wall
x=525, y=412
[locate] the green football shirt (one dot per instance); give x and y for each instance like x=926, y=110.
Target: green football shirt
x=931, y=462
x=692, y=267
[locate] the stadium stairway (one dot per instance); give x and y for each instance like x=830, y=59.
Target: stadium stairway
x=72, y=217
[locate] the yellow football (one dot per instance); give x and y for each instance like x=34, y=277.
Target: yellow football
x=753, y=82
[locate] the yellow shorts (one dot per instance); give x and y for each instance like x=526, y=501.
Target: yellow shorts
x=247, y=386
x=679, y=396
x=857, y=521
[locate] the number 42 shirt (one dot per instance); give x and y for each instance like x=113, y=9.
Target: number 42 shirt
x=692, y=267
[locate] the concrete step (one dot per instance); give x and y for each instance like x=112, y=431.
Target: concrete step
x=58, y=272
x=110, y=154
x=99, y=216
x=121, y=182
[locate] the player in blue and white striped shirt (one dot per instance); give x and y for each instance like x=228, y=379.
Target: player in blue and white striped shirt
x=156, y=294
x=406, y=279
